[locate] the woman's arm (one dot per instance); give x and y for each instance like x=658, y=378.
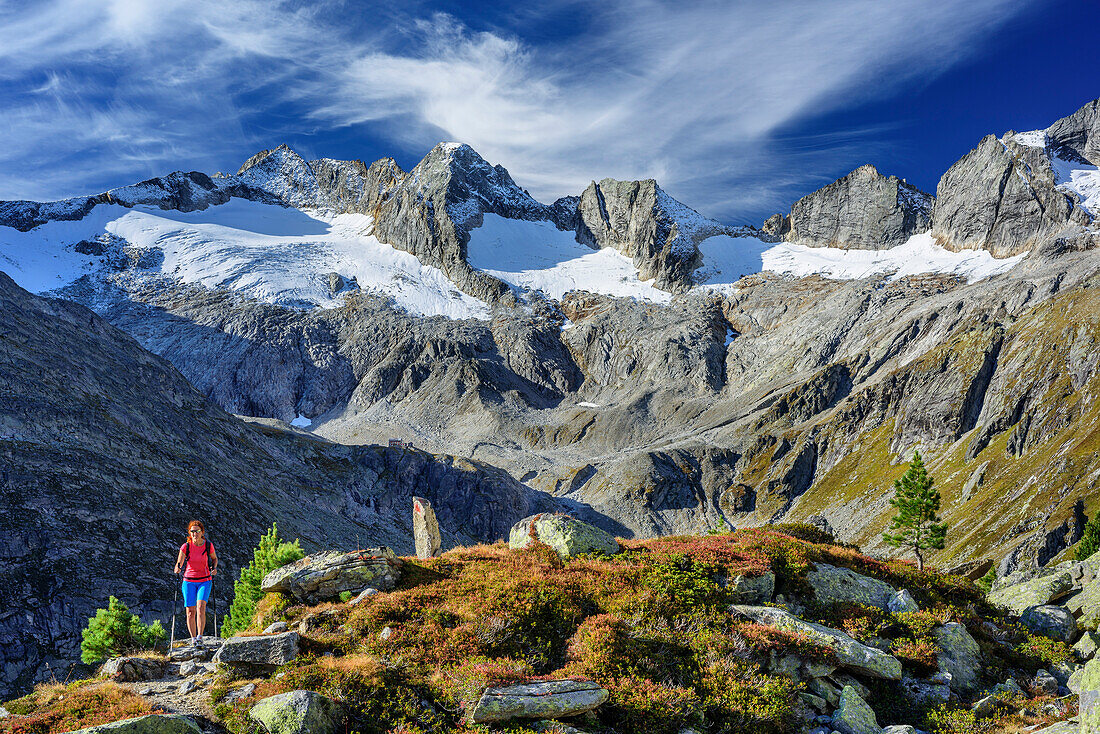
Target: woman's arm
x=179, y=561
x=213, y=561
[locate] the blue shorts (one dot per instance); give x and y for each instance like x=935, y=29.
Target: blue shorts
x=193, y=591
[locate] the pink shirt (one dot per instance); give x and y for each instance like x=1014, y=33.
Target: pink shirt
x=198, y=565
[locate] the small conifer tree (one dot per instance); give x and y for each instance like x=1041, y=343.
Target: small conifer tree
x=1090, y=539
x=270, y=554
x=916, y=527
x=116, y=630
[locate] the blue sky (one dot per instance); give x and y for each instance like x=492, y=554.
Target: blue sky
x=736, y=108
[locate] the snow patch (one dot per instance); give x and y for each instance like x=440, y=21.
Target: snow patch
x=271, y=253
x=1032, y=138
x=301, y=422
x=727, y=259
x=1080, y=178
x=537, y=256
x=589, y=405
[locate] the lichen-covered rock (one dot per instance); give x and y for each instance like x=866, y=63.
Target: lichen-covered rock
x=566, y=535
x=835, y=585
x=1085, y=648
x=149, y=724
x=322, y=576
x=264, y=651
x=1050, y=621
x=544, y=700
x=298, y=712
x=863, y=211
x=752, y=590
x=853, y=715
x=132, y=668
x=1086, y=684
x=959, y=655
x=849, y=652
x=1036, y=592
x=926, y=692
x=902, y=602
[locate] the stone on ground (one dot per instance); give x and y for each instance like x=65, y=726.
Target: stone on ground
x=298, y=712
x=849, y=652
x=754, y=590
x=1086, y=684
x=149, y=724
x=369, y=591
x=544, y=700
x=1086, y=647
x=1036, y=592
x=323, y=576
x=425, y=529
x=959, y=655
x=835, y=585
x=566, y=535
x=264, y=651
x=902, y=602
x=1045, y=683
x=275, y=628
x=853, y=715
x=132, y=669
x=1050, y=621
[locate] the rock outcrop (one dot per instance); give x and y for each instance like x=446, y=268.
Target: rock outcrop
x=323, y=576
x=861, y=211
x=298, y=712
x=259, y=653
x=566, y=535
x=1077, y=137
x=545, y=700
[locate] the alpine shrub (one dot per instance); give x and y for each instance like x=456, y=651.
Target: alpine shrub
x=270, y=554
x=1090, y=540
x=115, y=631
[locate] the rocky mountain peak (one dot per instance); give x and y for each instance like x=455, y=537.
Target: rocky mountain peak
x=863, y=210
x=1077, y=136
x=282, y=173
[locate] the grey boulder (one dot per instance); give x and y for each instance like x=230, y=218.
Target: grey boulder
x=959, y=655
x=544, y=700
x=1050, y=621
x=566, y=535
x=298, y=712
x=902, y=602
x=853, y=715
x=849, y=652
x=149, y=724
x=835, y=585
x=264, y=651
x=322, y=576
x=132, y=669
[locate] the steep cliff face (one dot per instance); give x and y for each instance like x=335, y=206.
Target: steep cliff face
x=862, y=211
x=1001, y=197
x=1077, y=137
x=106, y=452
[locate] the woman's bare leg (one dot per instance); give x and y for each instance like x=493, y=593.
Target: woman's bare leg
x=191, y=621
x=201, y=621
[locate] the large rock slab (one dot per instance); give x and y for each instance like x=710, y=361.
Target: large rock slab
x=1033, y=593
x=752, y=590
x=1050, y=621
x=298, y=712
x=835, y=585
x=149, y=724
x=850, y=653
x=853, y=715
x=323, y=576
x=425, y=529
x=959, y=655
x=545, y=700
x=566, y=535
x=263, y=651
x=1086, y=683
x=863, y=210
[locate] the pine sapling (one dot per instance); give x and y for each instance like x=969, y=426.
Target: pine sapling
x=916, y=527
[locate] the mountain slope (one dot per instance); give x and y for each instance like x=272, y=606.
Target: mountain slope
x=106, y=452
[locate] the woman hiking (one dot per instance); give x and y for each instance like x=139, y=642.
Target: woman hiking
x=199, y=562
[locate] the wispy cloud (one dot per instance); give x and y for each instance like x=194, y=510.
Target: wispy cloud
x=702, y=96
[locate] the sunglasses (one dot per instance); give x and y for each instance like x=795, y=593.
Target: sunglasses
x=195, y=531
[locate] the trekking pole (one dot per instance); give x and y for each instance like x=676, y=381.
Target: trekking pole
x=175, y=596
